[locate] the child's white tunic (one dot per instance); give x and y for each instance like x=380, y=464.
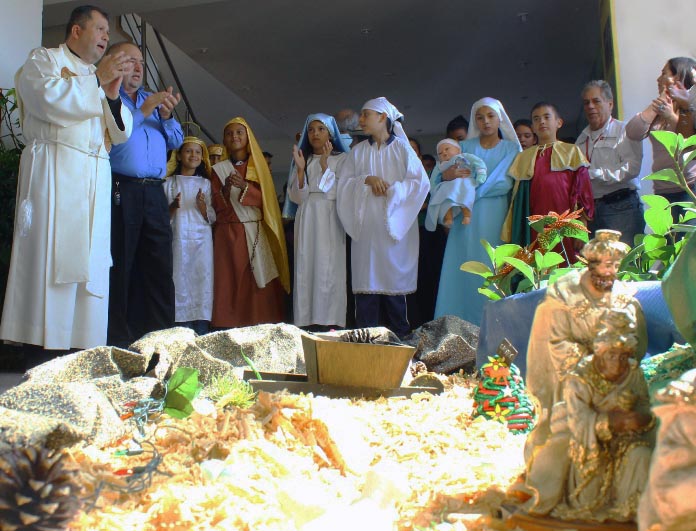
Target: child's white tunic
x=384, y=229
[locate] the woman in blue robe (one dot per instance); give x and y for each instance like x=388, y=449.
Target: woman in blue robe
x=458, y=292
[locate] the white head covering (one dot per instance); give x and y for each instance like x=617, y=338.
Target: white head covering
x=382, y=105
x=448, y=141
x=505, y=124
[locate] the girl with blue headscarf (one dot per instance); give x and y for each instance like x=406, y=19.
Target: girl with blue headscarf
x=319, y=295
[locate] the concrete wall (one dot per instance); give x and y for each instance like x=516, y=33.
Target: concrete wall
x=647, y=33
x=20, y=31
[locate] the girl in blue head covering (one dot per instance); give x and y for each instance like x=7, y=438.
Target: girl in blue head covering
x=319, y=295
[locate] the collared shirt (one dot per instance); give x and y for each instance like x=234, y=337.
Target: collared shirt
x=145, y=153
x=391, y=138
x=614, y=159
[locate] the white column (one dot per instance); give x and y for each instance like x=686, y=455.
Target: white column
x=20, y=32
x=647, y=33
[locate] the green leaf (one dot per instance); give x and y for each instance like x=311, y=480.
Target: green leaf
x=251, y=365
x=667, y=174
x=539, y=259
x=655, y=201
x=653, y=241
x=687, y=216
x=522, y=267
x=558, y=273
x=577, y=231
x=492, y=295
x=689, y=142
x=503, y=251
x=552, y=259
x=688, y=157
x=182, y=389
x=541, y=223
x=668, y=139
x=683, y=227
x=549, y=240
x=658, y=220
x=524, y=286
x=489, y=250
x=477, y=268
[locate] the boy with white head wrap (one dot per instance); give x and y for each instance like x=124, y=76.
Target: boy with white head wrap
x=459, y=192
x=381, y=188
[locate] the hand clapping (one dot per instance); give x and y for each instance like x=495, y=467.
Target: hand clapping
x=110, y=72
x=165, y=100
x=326, y=150
x=235, y=178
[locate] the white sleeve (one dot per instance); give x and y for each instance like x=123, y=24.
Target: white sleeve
x=405, y=198
x=351, y=196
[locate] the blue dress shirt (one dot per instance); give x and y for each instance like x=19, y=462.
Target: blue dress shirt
x=144, y=155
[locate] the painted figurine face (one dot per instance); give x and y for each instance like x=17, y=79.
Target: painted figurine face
x=235, y=138
x=603, y=274
x=446, y=151
x=190, y=156
x=318, y=135
x=612, y=363
x=487, y=121
x=525, y=136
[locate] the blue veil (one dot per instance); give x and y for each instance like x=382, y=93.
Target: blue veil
x=339, y=145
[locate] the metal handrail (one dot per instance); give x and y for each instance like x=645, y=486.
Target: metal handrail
x=153, y=70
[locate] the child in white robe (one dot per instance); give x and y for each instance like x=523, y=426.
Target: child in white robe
x=319, y=290
x=189, y=195
x=381, y=189
x=458, y=192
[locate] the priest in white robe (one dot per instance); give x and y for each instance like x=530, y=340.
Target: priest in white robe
x=381, y=188
x=70, y=111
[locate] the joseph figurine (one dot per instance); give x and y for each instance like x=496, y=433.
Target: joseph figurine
x=565, y=325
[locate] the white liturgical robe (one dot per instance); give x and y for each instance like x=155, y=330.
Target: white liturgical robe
x=384, y=229
x=319, y=292
x=58, y=287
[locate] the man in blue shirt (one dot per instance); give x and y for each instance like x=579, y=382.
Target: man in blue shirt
x=142, y=290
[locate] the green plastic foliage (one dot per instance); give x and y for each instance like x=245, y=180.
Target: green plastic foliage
x=502, y=252
x=668, y=139
x=667, y=174
x=659, y=220
x=552, y=259
x=523, y=268
x=477, y=268
x=182, y=389
x=655, y=201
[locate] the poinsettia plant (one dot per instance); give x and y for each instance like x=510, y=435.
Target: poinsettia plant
x=518, y=269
